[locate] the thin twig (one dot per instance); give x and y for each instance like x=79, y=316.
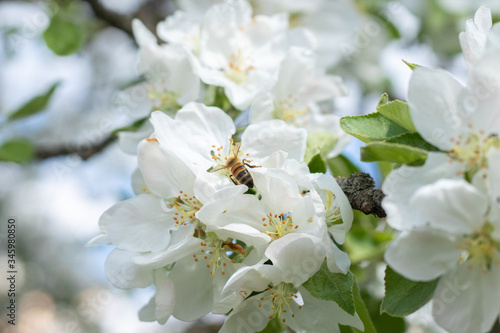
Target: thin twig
x=116, y=20
x=84, y=151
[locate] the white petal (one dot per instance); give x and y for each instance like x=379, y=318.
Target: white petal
x=473, y=41
x=466, y=300
x=165, y=296
x=257, y=83
x=493, y=40
x=164, y=173
x=323, y=316
x=433, y=99
x=327, y=182
x=248, y=316
x=262, y=109
x=194, y=292
x=178, y=74
x=299, y=256
x=193, y=132
x=182, y=244
x=248, y=235
x=123, y=273
x=180, y=28
x=308, y=215
x=422, y=255
x=142, y=35
x=101, y=239
x=210, y=187
x=452, y=205
x=129, y=141
x=402, y=183
x=264, y=138
x=252, y=278
x=337, y=260
x=138, y=224
x=279, y=191
x=138, y=183
x=482, y=95
x=243, y=209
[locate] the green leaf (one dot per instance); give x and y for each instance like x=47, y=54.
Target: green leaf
x=403, y=296
x=341, y=166
x=63, y=36
x=412, y=66
x=385, y=168
x=371, y=127
x=35, y=105
x=317, y=164
x=412, y=139
x=362, y=313
x=382, y=322
x=319, y=143
x=335, y=287
x=399, y=112
x=132, y=127
x=384, y=99
x=17, y=150
x=393, y=152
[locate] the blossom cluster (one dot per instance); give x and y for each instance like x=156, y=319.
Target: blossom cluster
x=448, y=209
x=211, y=244
x=267, y=60
x=226, y=219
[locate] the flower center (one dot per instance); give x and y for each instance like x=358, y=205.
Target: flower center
x=280, y=296
x=332, y=209
x=161, y=98
x=277, y=226
x=472, y=150
x=295, y=20
x=186, y=207
x=214, y=252
x=481, y=249
x=287, y=111
x=238, y=67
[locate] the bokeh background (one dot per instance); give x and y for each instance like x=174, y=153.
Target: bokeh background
x=75, y=58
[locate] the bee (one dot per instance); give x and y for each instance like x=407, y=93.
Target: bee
x=236, y=167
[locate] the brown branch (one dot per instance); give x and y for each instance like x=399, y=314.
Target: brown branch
x=150, y=14
x=359, y=188
x=116, y=20
x=84, y=151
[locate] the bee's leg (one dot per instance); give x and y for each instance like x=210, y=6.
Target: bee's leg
x=249, y=165
x=233, y=180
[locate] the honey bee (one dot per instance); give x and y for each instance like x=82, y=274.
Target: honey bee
x=236, y=167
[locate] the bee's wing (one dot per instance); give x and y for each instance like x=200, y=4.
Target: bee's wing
x=218, y=168
x=236, y=149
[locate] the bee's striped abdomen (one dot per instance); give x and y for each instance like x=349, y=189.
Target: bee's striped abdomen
x=242, y=175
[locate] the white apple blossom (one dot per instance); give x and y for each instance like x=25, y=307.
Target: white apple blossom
x=201, y=137
x=331, y=22
x=170, y=82
x=240, y=53
x=461, y=121
x=293, y=98
x=459, y=243
x=402, y=183
x=182, y=28
x=473, y=40
x=159, y=232
x=284, y=208
x=295, y=258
